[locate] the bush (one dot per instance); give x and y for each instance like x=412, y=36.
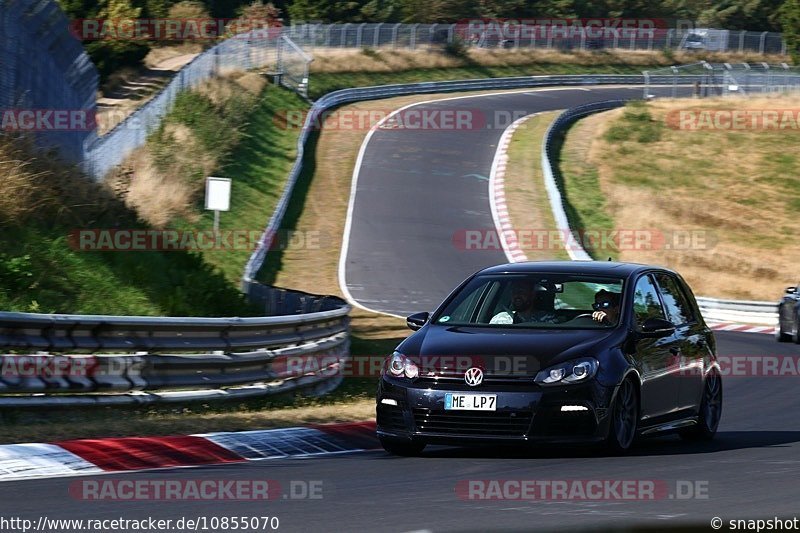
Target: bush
x=370, y=52
x=636, y=124
x=456, y=48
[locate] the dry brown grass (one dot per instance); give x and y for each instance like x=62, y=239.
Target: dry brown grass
x=734, y=188
x=387, y=60
x=161, y=193
x=220, y=90
x=172, y=56
x=41, y=189
x=156, y=197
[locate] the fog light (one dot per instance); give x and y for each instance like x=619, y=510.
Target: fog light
x=573, y=408
x=388, y=401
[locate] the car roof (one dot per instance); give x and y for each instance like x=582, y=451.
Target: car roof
x=600, y=268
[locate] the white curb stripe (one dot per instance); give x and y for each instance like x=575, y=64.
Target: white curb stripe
x=23, y=461
x=274, y=443
x=497, y=196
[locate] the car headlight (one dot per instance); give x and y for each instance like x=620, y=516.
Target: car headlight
x=576, y=371
x=398, y=365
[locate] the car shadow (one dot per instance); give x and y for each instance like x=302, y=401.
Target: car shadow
x=665, y=445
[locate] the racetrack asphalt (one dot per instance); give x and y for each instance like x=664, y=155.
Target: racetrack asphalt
x=418, y=189
x=401, y=260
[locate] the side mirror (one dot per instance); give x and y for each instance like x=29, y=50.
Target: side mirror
x=655, y=327
x=417, y=320
x=791, y=290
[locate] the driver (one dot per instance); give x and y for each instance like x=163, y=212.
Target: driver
x=523, y=305
x=606, y=307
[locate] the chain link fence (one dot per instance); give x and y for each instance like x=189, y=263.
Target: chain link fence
x=243, y=52
x=425, y=36
x=293, y=64
x=62, y=78
x=725, y=79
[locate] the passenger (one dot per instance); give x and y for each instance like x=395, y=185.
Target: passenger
x=523, y=305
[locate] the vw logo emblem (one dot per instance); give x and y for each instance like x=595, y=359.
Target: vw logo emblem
x=473, y=376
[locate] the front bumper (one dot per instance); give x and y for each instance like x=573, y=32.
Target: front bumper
x=526, y=413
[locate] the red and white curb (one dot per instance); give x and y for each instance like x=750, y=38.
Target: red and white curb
x=497, y=195
x=743, y=328
x=98, y=456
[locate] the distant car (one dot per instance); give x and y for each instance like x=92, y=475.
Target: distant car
x=789, y=316
x=707, y=39
x=695, y=41
x=544, y=352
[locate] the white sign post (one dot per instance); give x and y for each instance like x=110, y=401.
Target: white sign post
x=218, y=197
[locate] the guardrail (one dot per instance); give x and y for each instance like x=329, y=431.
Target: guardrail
x=750, y=312
x=112, y=360
x=344, y=96
x=746, y=311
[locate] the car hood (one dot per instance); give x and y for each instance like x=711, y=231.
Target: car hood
x=443, y=350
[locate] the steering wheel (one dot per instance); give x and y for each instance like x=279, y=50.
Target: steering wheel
x=583, y=315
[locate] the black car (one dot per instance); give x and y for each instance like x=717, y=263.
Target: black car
x=541, y=352
x=789, y=316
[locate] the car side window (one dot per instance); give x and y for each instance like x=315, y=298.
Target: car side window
x=678, y=308
x=464, y=310
x=645, y=300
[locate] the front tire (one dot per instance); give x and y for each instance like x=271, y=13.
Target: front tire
x=780, y=336
x=403, y=448
x=796, y=330
x=710, y=411
x=624, y=419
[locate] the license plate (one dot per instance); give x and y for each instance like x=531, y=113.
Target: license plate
x=470, y=402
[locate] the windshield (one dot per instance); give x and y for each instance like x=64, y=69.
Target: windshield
x=545, y=301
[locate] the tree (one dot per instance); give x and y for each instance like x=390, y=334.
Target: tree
x=789, y=17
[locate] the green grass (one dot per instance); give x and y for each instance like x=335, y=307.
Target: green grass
x=584, y=202
x=528, y=204
x=258, y=165
x=41, y=272
x=321, y=83
x=636, y=124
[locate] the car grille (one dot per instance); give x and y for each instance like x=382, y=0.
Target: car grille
x=497, y=383
x=495, y=424
x=391, y=419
